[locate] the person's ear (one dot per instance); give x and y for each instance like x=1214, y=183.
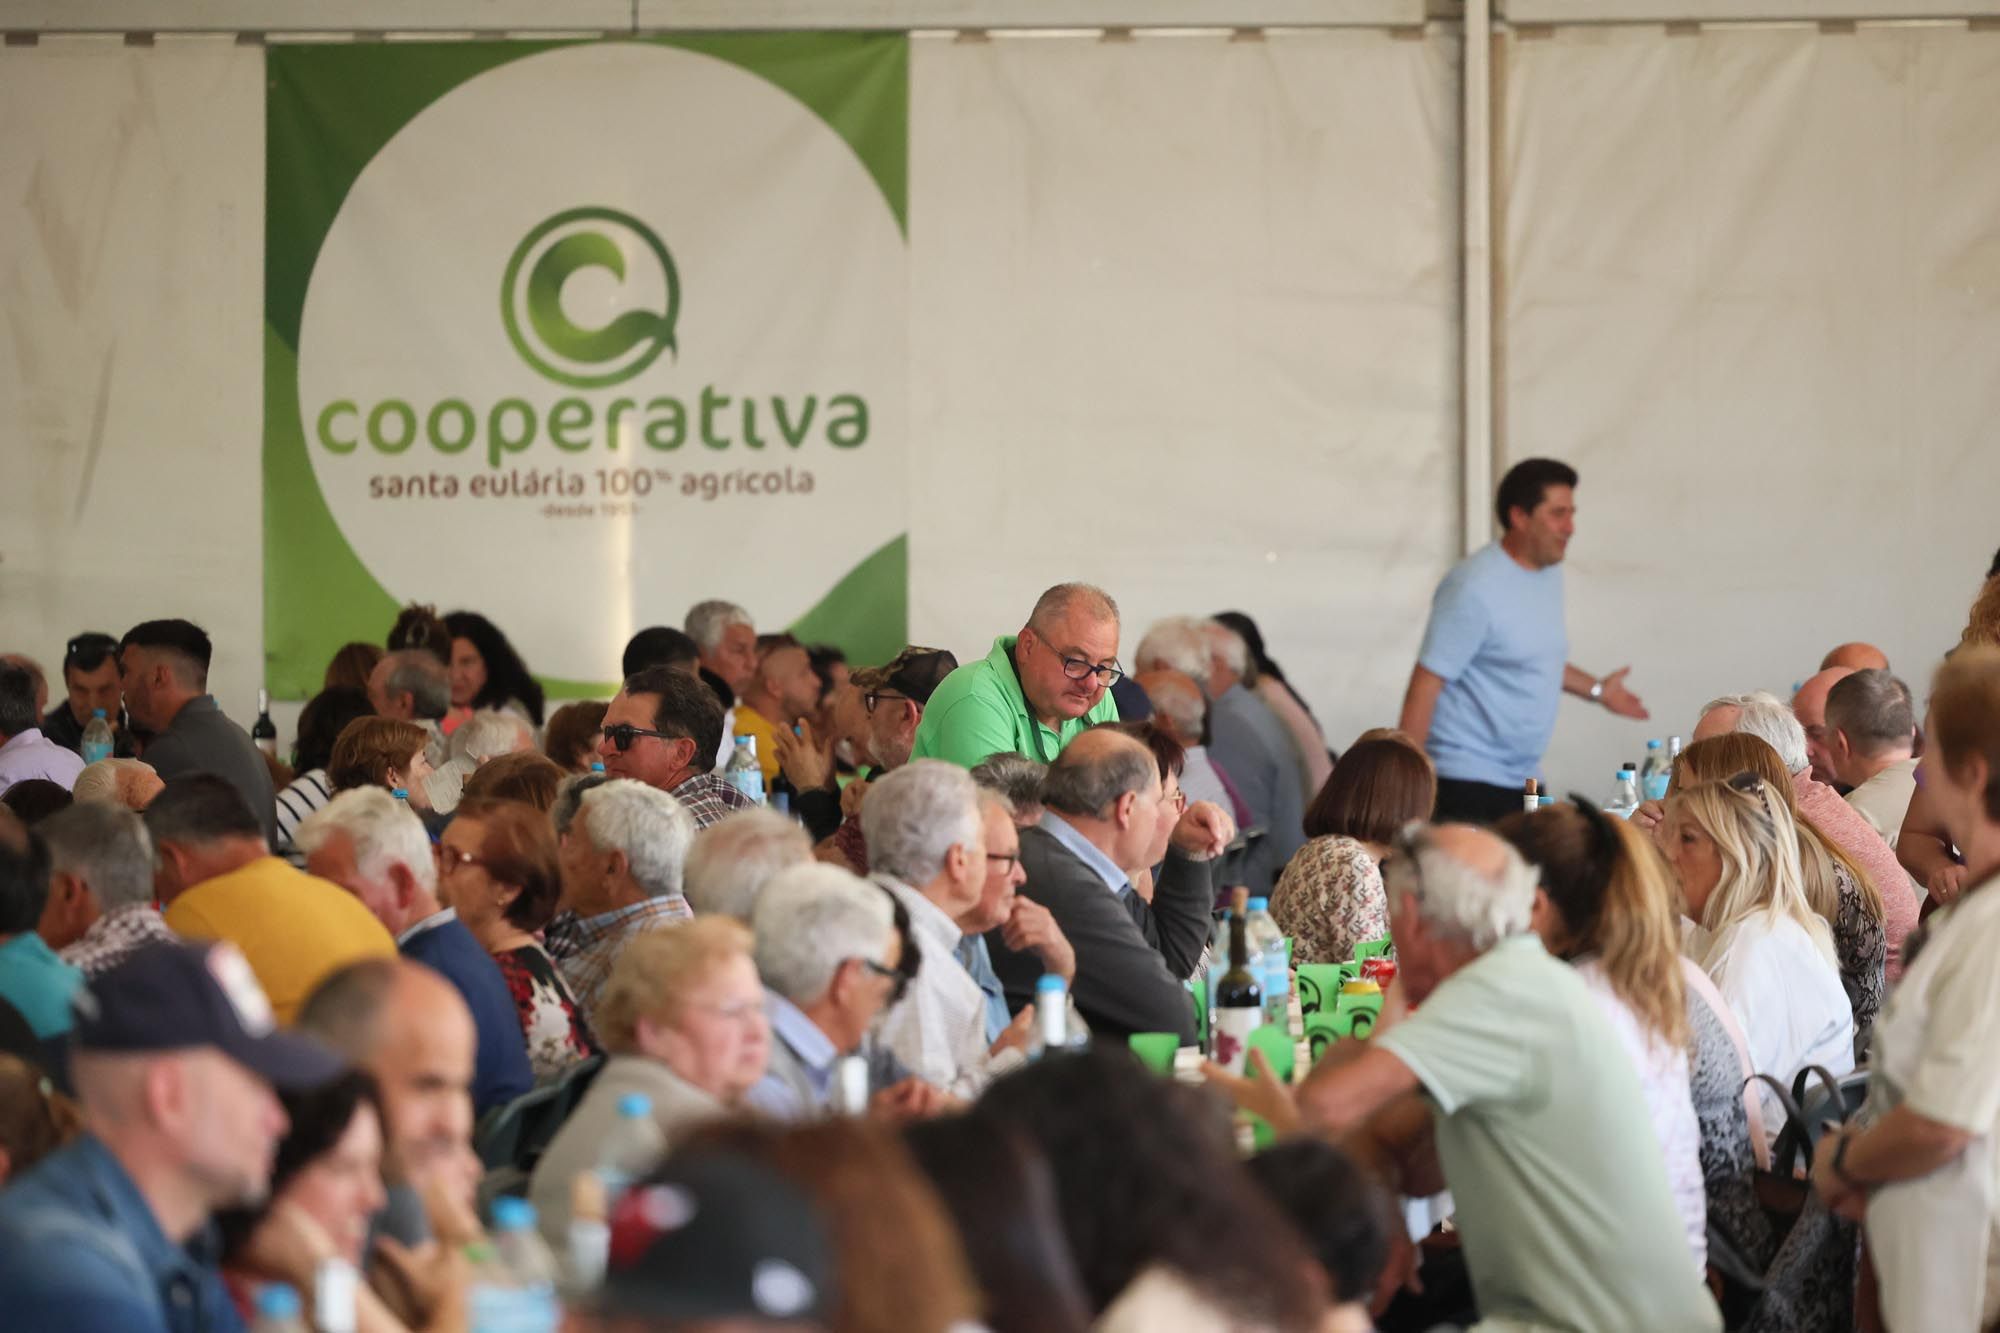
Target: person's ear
x=913, y=713
x=1121, y=811
x=403, y=884
x=957, y=861
x=616, y=863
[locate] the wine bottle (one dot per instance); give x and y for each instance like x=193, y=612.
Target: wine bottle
x=265, y=733
x=1237, y=1008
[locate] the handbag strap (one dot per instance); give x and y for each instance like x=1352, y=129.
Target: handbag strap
x=1794, y=1144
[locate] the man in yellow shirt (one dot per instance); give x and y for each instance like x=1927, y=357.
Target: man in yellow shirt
x=218, y=880
x=784, y=690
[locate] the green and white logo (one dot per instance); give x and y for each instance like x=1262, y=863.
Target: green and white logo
x=531, y=297
x=699, y=342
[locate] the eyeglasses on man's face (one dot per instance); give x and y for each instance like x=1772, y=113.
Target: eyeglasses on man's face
x=1078, y=668
x=899, y=980
x=1006, y=861
x=874, y=698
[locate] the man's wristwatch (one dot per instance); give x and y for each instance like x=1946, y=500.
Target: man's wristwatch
x=1840, y=1163
x=1597, y=691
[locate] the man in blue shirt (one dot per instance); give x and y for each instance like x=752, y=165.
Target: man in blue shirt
x=175, y=1056
x=1495, y=660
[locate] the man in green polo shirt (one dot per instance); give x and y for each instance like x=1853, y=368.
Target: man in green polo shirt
x=1036, y=690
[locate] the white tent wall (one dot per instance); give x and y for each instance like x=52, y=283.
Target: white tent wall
x=1184, y=325
x=1185, y=318
x=1750, y=286
x=131, y=356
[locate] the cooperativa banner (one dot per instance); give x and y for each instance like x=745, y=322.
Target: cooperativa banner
x=577, y=334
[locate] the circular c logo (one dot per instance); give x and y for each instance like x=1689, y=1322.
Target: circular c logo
x=531, y=297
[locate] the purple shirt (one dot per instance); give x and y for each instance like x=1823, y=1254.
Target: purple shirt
x=29, y=754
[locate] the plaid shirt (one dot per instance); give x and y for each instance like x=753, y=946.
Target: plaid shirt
x=116, y=936
x=594, y=943
x=709, y=799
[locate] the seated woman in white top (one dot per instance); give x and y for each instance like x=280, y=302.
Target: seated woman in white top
x=1604, y=905
x=1736, y=851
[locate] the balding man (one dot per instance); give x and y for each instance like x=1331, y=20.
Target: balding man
x=174, y=1057
x=1103, y=800
x=1870, y=742
x=1034, y=692
x=408, y=1027
x=1809, y=707
x=1564, y=1225
x=782, y=691
x=411, y=685
x=1180, y=708
x=1856, y=657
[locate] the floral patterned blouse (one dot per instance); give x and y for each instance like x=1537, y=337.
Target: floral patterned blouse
x=556, y=1033
x=1329, y=899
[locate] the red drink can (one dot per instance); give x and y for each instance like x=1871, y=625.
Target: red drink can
x=1379, y=970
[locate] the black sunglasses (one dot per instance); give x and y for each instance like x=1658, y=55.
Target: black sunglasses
x=622, y=734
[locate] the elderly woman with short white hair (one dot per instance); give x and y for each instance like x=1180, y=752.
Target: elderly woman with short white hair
x=683, y=1021
x=131, y=783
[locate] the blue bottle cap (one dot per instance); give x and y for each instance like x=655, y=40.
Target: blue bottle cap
x=1260, y=904
x=513, y=1214
x=635, y=1106
x=1049, y=982
x=277, y=1301
x=97, y=712
x=1655, y=745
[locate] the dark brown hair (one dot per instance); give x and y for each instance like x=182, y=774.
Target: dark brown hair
x=35, y=1119
x=901, y=1268
x=570, y=738
x=1377, y=787
x=517, y=845
x=351, y=666
x=527, y=776
x=368, y=748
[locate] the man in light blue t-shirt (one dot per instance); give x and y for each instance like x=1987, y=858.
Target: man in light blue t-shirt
x=1495, y=661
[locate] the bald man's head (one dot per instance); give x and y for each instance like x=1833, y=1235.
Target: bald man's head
x=1856, y=657
x=1809, y=707
x=408, y=1027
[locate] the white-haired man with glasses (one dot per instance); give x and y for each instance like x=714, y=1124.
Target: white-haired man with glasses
x=1508, y=1086
x=1036, y=691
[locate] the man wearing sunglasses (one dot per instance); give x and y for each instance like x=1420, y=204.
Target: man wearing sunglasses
x=664, y=729
x=90, y=674
x=1035, y=691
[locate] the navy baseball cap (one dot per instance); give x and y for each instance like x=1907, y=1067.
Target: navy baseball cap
x=177, y=997
x=715, y=1235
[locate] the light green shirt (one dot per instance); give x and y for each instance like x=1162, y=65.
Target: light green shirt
x=979, y=710
x=1549, y=1150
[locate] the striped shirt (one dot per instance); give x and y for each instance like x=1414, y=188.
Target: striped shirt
x=306, y=794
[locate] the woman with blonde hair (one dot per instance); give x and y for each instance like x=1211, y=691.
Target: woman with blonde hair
x=1837, y=887
x=1735, y=849
x=682, y=1018
x=1921, y=1172
x=1604, y=904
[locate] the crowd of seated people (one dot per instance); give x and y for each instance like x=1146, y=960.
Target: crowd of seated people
x=263, y=1024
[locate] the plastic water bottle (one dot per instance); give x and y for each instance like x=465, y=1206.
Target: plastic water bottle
x=742, y=771
x=514, y=1276
x=1267, y=959
x=1654, y=776
x=850, y=1091
x=632, y=1147
x=97, y=738
x=336, y=1296
x=278, y=1310
x=1051, y=1031
x=1627, y=799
